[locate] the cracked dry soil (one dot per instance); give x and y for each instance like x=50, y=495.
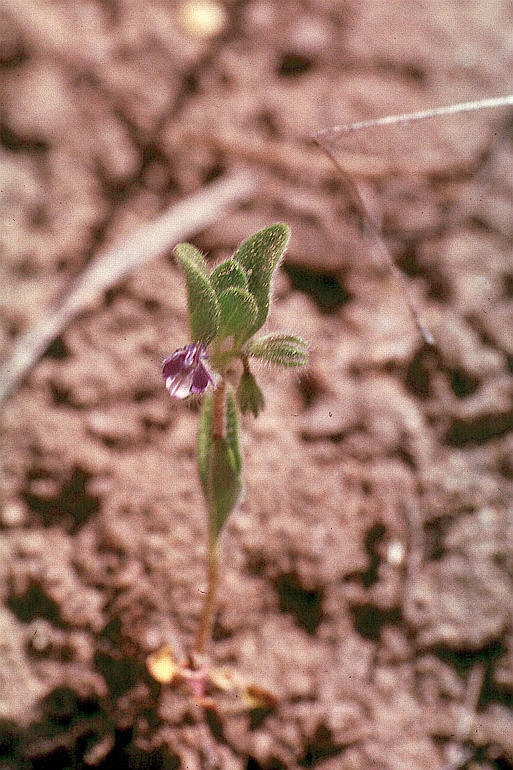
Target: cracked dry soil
x=368, y=575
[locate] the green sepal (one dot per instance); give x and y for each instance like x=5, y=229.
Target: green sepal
x=238, y=311
x=229, y=273
x=279, y=349
x=201, y=297
x=205, y=440
x=249, y=396
x=259, y=255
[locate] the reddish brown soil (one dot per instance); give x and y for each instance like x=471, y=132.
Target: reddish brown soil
x=368, y=576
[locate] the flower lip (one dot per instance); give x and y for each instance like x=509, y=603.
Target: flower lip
x=185, y=372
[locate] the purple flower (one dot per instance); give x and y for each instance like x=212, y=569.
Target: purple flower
x=185, y=372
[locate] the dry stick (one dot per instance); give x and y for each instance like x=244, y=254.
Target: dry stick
x=177, y=223
x=409, y=117
x=370, y=225
x=372, y=230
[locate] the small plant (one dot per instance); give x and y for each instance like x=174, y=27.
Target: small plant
x=226, y=308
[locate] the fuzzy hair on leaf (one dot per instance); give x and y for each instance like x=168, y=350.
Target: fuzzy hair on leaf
x=279, y=349
x=228, y=274
x=260, y=255
x=238, y=311
x=201, y=297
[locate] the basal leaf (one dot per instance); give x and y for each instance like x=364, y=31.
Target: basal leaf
x=219, y=463
x=225, y=484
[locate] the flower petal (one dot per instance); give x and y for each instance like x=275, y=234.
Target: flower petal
x=200, y=379
x=174, y=363
x=184, y=371
x=179, y=386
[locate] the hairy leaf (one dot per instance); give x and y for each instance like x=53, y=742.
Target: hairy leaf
x=279, y=349
x=238, y=311
x=201, y=297
x=225, y=484
x=192, y=254
x=259, y=255
x=229, y=273
x=205, y=440
x=232, y=427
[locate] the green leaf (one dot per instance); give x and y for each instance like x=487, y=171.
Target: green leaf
x=192, y=254
x=249, y=396
x=229, y=273
x=232, y=427
x=201, y=297
x=205, y=440
x=279, y=349
x=225, y=484
x=219, y=463
x=259, y=255
x=238, y=311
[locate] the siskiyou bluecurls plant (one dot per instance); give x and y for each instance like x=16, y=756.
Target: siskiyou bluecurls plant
x=227, y=307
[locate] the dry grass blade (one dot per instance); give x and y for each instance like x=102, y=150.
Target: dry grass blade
x=176, y=224
x=328, y=140
x=371, y=229
x=409, y=117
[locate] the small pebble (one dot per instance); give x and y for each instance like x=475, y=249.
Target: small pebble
x=40, y=632
x=202, y=18
x=395, y=553
x=13, y=514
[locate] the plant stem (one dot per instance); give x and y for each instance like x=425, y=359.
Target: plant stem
x=209, y=606
x=207, y=615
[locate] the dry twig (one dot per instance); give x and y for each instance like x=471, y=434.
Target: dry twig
x=369, y=224
x=373, y=231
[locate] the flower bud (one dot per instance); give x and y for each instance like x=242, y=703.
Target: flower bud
x=249, y=396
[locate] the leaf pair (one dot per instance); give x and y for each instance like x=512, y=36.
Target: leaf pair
x=234, y=299
x=219, y=464
x=238, y=309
